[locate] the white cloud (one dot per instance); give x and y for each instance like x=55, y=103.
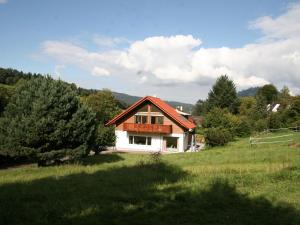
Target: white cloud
x=182, y=60
x=98, y=71
x=3, y=1
x=285, y=26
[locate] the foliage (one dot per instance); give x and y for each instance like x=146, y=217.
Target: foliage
x=6, y=92
x=45, y=117
x=103, y=104
x=200, y=108
x=221, y=118
x=274, y=120
x=217, y=136
x=223, y=95
x=106, y=107
x=247, y=106
x=260, y=125
x=11, y=76
x=268, y=92
x=243, y=127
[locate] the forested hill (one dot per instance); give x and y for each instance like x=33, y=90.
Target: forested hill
x=248, y=92
x=130, y=99
x=11, y=77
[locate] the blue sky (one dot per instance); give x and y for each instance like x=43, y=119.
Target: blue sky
x=172, y=49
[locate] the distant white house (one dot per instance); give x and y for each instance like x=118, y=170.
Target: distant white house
x=273, y=107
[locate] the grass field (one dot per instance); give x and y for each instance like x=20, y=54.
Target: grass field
x=230, y=185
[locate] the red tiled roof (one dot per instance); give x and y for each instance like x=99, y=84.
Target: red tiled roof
x=166, y=108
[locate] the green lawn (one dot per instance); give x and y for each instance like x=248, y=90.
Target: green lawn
x=230, y=185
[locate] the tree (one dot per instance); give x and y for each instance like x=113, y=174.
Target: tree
x=103, y=104
x=269, y=93
x=106, y=107
x=200, y=108
x=5, y=93
x=45, y=120
x=223, y=95
x=247, y=105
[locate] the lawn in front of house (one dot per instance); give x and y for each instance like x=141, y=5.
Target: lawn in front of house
x=234, y=184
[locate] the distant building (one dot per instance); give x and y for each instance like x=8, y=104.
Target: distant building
x=273, y=107
x=150, y=124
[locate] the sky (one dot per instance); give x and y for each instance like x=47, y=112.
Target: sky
x=172, y=49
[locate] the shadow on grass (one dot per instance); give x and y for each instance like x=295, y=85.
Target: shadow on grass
x=98, y=159
x=141, y=194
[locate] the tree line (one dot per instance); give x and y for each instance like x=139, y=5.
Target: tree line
x=226, y=115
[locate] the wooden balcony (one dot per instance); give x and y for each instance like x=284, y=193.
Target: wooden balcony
x=148, y=128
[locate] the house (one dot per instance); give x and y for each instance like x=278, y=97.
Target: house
x=273, y=107
x=150, y=124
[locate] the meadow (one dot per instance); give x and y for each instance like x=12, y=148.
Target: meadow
x=235, y=184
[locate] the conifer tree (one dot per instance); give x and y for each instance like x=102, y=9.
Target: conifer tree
x=223, y=95
x=45, y=120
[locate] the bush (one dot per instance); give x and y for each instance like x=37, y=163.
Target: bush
x=217, y=136
x=238, y=126
x=274, y=121
x=243, y=128
x=104, y=136
x=260, y=125
x=44, y=120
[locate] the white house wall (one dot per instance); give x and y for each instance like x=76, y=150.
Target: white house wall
x=122, y=142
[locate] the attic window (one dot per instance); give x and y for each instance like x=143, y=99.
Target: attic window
x=157, y=119
x=140, y=119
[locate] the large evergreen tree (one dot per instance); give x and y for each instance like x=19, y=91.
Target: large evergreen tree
x=223, y=95
x=45, y=119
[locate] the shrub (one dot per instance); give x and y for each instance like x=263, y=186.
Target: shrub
x=274, y=121
x=217, y=136
x=44, y=120
x=243, y=128
x=261, y=125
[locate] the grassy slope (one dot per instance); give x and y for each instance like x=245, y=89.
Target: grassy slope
x=229, y=185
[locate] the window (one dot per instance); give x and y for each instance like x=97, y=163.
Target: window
x=140, y=140
x=140, y=119
x=130, y=139
x=171, y=142
x=157, y=119
x=149, y=140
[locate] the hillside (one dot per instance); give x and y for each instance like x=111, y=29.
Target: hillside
x=248, y=92
x=234, y=185
x=130, y=99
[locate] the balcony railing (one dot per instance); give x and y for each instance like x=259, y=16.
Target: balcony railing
x=148, y=128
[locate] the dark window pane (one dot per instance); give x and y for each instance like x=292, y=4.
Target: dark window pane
x=144, y=119
x=149, y=139
x=140, y=119
x=157, y=119
x=152, y=119
x=171, y=142
x=139, y=140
